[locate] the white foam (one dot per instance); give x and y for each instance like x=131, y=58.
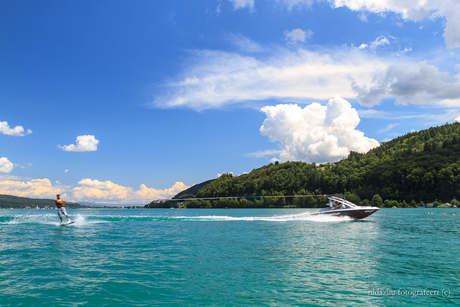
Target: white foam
x=281, y=218
x=80, y=220
x=325, y=218
x=32, y=219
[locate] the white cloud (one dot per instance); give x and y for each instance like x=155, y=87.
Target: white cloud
x=5, y=166
x=19, y=165
x=413, y=10
x=215, y=12
x=378, y=42
x=409, y=10
x=219, y=175
x=218, y=78
x=16, y=131
x=411, y=83
x=9, y=177
x=388, y=128
x=297, y=35
x=363, y=17
x=315, y=133
x=298, y=3
x=214, y=79
x=432, y=118
x=237, y=4
x=109, y=192
x=261, y=154
x=35, y=188
x=402, y=52
x=245, y=44
x=89, y=190
x=84, y=143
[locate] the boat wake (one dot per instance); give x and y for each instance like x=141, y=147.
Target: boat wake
x=29, y=219
x=280, y=218
x=46, y=219
x=87, y=220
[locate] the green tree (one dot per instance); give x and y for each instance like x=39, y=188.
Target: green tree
x=353, y=198
x=377, y=200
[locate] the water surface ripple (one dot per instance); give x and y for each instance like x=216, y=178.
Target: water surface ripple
x=245, y=257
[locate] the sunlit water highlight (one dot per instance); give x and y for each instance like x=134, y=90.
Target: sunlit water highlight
x=237, y=257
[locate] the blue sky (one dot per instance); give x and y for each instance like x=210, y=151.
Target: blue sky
x=129, y=101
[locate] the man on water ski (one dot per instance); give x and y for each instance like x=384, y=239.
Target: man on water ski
x=61, y=210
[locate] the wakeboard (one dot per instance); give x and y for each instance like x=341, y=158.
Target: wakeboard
x=68, y=223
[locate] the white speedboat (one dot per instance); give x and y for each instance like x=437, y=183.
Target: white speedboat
x=341, y=207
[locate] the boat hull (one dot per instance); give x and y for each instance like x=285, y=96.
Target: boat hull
x=353, y=213
x=340, y=207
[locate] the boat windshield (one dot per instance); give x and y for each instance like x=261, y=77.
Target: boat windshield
x=338, y=203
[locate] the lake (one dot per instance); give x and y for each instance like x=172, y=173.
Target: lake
x=237, y=257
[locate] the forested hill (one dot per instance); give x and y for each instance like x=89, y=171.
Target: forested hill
x=15, y=202
x=419, y=166
x=193, y=190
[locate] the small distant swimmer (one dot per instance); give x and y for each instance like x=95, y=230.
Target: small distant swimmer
x=61, y=210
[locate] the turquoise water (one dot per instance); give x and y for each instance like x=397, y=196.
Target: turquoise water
x=245, y=257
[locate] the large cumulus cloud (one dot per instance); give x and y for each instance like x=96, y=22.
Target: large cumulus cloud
x=315, y=133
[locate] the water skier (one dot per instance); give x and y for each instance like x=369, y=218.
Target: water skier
x=61, y=210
